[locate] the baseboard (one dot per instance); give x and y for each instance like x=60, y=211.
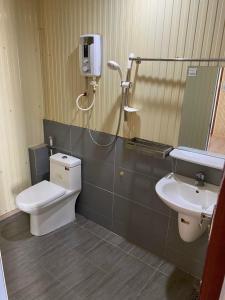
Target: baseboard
x=9, y=214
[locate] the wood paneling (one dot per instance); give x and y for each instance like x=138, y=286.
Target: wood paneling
x=21, y=108
x=166, y=28
x=145, y=27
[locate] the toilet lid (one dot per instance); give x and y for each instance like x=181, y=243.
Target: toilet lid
x=39, y=195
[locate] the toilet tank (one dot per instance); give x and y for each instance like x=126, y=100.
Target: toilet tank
x=65, y=170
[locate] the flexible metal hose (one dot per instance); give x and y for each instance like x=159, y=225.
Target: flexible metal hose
x=117, y=130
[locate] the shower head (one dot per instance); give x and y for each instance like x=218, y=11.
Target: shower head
x=115, y=66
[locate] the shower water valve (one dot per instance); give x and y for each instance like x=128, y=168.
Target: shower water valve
x=94, y=84
x=126, y=84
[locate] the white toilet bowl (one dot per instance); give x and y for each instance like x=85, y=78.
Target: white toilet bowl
x=52, y=204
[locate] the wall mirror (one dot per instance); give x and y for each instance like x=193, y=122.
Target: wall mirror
x=203, y=112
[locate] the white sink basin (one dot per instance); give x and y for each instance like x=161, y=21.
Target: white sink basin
x=190, y=201
x=181, y=194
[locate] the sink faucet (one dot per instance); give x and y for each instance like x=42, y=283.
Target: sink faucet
x=200, y=179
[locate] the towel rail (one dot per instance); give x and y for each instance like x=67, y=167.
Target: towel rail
x=176, y=59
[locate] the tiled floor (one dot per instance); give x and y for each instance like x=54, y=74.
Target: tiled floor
x=84, y=261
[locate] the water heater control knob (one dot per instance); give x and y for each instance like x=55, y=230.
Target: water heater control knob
x=85, y=68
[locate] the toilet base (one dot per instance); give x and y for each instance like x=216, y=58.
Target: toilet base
x=54, y=216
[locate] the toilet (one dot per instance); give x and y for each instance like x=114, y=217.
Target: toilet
x=51, y=204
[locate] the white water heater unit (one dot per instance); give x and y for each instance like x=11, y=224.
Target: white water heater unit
x=90, y=53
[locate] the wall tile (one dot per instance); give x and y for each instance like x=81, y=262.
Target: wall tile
x=39, y=163
x=140, y=162
x=143, y=226
x=213, y=176
x=98, y=173
x=60, y=133
x=131, y=207
x=95, y=201
x=82, y=145
x=64, y=151
x=139, y=188
x=95, y=216
x=160, y=167
x=196, y=249
x=131, y=160
x=187, y=263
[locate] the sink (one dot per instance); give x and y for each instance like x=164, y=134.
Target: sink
x=181, y=194
x=194, y=204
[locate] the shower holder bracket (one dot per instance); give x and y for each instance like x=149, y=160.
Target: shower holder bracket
x=126, y=84
x=151, y=148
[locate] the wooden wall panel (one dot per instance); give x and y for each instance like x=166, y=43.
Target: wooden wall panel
x=21, y=108
x=147, y=28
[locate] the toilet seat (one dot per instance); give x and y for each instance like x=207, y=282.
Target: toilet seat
x=39, y=196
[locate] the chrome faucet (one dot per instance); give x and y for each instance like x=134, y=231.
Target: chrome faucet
x=200, y=179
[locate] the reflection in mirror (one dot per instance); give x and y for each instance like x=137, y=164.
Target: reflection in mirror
x=203, y=112
x=217, y=133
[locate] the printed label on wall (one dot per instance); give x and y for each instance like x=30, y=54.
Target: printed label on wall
x=192, y=72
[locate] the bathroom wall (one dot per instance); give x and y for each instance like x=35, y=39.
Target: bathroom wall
x=118, y=192
x=21, y=101
x=157, y=28
x=219, y=126
x=198, y=103
x=217, y=138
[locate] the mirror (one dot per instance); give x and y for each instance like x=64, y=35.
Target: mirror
x=203, y=112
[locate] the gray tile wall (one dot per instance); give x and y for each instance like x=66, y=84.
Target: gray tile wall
x=39, y=163
x=118, y=192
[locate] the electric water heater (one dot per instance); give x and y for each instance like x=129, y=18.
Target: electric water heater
x=90, y=52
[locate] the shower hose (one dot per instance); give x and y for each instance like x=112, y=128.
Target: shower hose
x=89, y=108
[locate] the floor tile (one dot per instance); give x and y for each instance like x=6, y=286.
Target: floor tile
x=105, y=256
x=57, y=260
x=125, y=281
x=85, y=261
x=81, y=220
x=23, y=275
x=72, y=236
x=19, y=257
x=167, y=268
x=85, y=288
x=177, y=286
x=70, y=294
x=44, y=288
x=80, y=274
x=119, y=241
x=96, y=229
x=146, y=256
x=15, y=233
